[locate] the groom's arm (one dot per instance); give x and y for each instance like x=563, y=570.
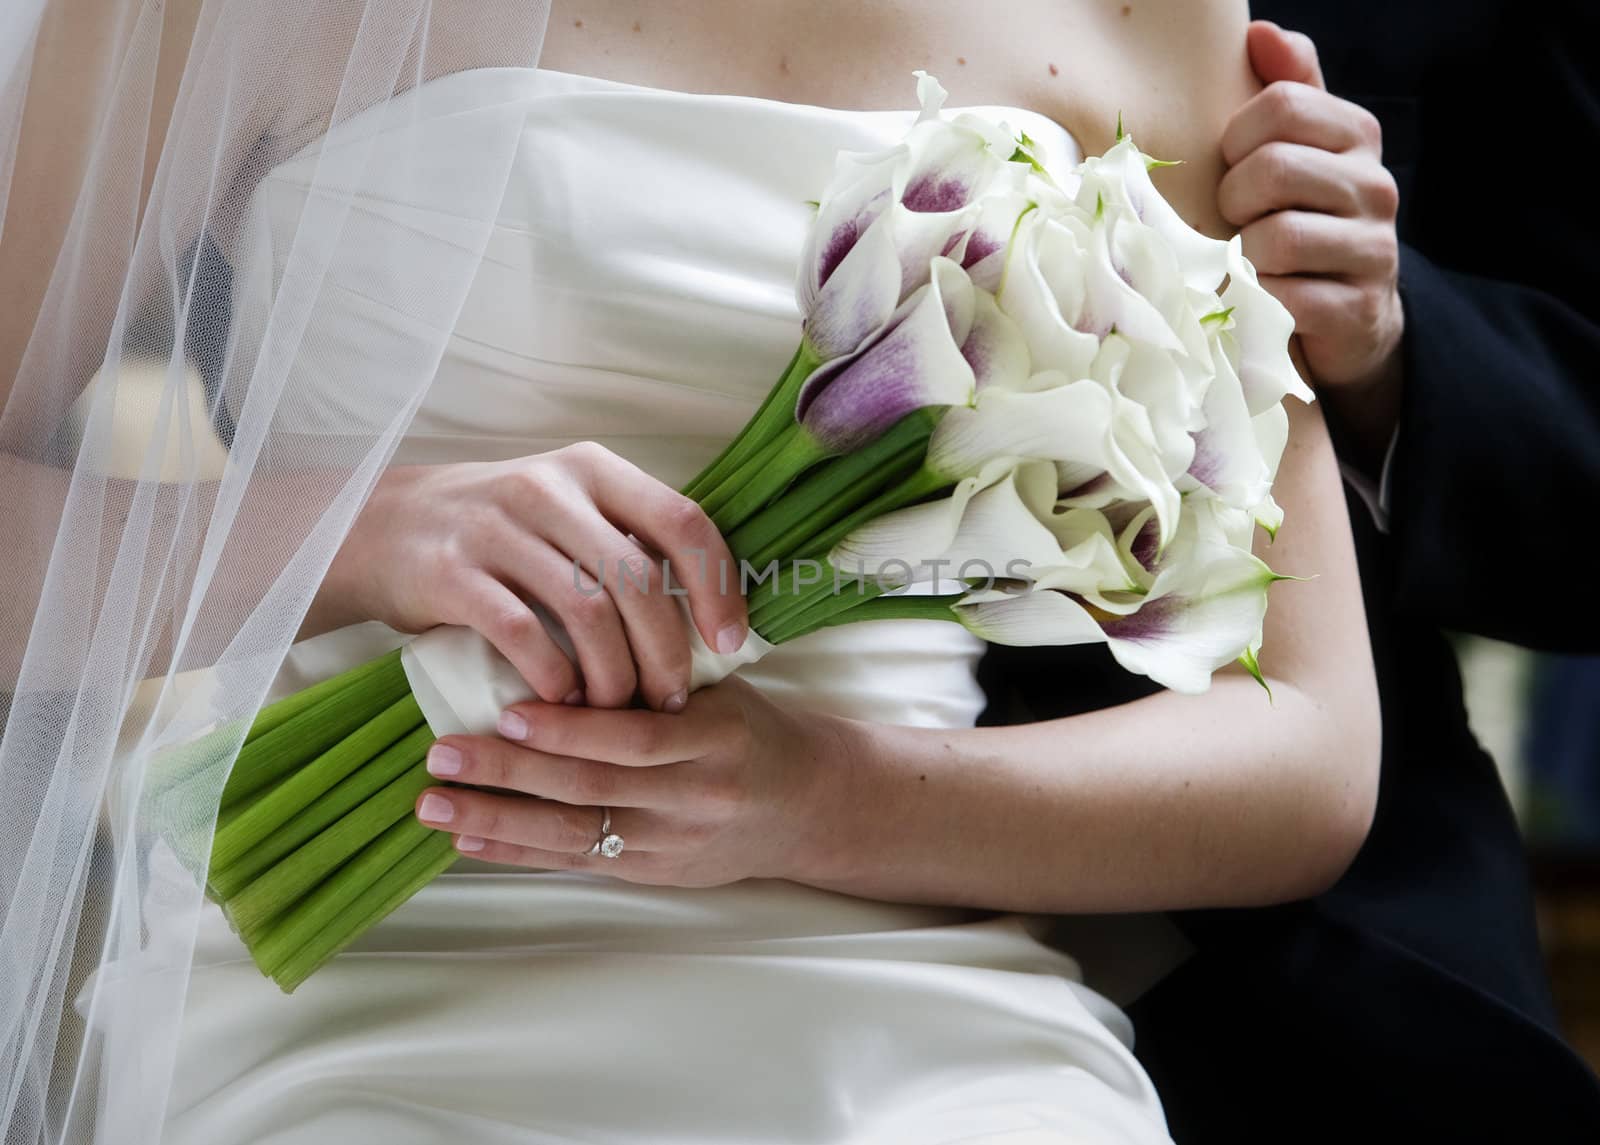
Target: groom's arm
x=1495, y=471
x=1472, y=397
x=1495, y=475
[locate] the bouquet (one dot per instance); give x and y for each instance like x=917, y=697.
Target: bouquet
x=1035, y=404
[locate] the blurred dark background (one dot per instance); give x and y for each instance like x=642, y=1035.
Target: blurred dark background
x=1538, y=714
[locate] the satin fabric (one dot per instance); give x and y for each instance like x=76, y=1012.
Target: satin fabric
x=638, y=291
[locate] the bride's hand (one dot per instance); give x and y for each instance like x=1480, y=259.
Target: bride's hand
x=470, y=544
x=732, y=787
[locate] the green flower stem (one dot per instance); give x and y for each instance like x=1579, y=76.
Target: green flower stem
x=299, y=825
x=833, y=490
x=425, y=863
x=775, y=415
x=914, y=488
x=280, y=805
x=195, y=765
x=314, y=729
x=818, y=613
x=283, y=939
x=298, y=873
x=898, y=607
x=765, y=477
x=768, y=605
x=769, y=609
x=275, y=714
x=798, y=536
x=728, y=488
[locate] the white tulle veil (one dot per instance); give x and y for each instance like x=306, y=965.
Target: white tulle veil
x=162, y=532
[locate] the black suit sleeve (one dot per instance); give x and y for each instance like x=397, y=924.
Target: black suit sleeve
x=1495, y=482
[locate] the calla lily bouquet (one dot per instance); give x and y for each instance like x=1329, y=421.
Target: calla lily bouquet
x=1034, y=403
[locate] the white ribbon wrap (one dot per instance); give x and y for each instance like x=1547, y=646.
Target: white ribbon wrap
x=462, y=684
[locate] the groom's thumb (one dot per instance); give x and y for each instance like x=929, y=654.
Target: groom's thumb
x=1278, y=55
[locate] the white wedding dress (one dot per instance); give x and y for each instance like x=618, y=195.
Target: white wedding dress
x=638, y=291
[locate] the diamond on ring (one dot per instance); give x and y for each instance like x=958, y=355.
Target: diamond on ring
x=607, y=845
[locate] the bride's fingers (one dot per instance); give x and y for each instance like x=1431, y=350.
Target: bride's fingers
x=524, y=821
x=485, y=761
x=632, y=738
x=631, y=865
x=678, y=529
x=549, y=577
x=511, y=855
x=627, y=582
x=506, y=621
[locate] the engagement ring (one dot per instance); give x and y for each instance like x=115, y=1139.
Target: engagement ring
x=608, y=845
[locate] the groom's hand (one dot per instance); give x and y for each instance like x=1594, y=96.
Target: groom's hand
x=1316, y=210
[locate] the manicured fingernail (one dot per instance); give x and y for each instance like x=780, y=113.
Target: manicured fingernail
x=444, y=761
x=730, y=639
x=675, y=702
x=436, y=809
x=512, y=726
x=469, y=843
x=574, y=698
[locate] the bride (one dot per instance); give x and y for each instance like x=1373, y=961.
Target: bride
x=823, y=925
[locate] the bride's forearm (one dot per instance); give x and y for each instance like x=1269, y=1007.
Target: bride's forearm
x=1170, y=802
x=82, y=539
x=1174, y=801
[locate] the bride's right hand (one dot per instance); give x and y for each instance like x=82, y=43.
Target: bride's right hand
x=470, y=544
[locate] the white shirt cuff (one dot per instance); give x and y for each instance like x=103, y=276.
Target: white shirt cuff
x=1375, y=497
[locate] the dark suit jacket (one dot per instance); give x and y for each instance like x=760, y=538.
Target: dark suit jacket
x=1409, y=1003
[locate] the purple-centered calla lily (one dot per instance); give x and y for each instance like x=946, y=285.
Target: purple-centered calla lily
x=1204, y=605
x=884, y=217
x=915, y=361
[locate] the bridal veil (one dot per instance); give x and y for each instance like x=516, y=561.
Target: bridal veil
x=162, y=530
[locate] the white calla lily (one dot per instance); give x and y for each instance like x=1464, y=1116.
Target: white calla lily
x=1261, y=330
x=1088, y=562
x=1044, y=292
x=1227, y=452
x=1155, y=381
x=1139, y=545
x=1115, y=299
x=1200, y=616
x=931, y=95
x=919, y=534
x=1204, y=610
x=995, y=347
x=1073, y=423
x=986, y=250
x=1272, y=435
x=1121, y=177
x=998, y=525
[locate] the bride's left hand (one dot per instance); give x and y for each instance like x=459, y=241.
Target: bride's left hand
x=729, y=788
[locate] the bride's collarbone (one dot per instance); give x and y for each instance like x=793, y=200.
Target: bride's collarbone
x=1081, y=62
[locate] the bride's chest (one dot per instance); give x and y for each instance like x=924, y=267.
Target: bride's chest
x=1065, y=58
